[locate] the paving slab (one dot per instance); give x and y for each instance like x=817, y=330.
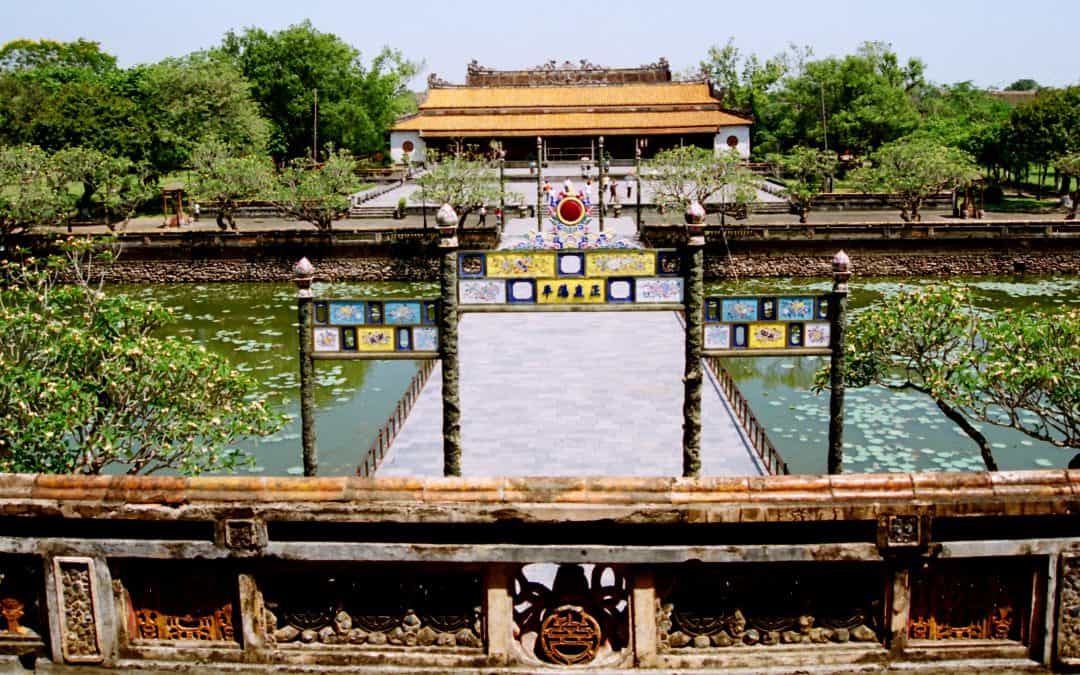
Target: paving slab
x=570, y=394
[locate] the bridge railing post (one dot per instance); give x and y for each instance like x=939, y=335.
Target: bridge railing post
x=448, y=340
x=694, y=301
x=841, y=265
x=303, y=273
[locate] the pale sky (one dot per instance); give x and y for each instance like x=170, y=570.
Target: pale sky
x=992, y=42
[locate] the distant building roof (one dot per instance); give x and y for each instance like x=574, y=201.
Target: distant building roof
x=1015, y=97
x=651, y=105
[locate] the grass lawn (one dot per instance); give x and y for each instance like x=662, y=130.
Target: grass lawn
x=1024, y=205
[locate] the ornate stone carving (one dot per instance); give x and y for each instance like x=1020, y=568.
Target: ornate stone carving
x=972, y=600
x=577, y=620
x=1068, y=620
x=213, y=625
x=171, y=603
x=569, y=635
x=435, y=82
x=553, y=72
x=711, y=608
x=902, y=531
x=374, y=610
x=79, y=631
x=247, y=535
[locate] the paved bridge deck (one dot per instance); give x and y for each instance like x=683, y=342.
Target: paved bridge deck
x=570, y=394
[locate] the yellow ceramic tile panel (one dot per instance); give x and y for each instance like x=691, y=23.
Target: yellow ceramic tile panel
x=767, y=336
x=592, y=291
x=375, y=339
x=620, y=263
x=521, y=264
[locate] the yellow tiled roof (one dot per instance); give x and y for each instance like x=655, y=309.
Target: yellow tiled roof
x=570, y=124
x=665, y=93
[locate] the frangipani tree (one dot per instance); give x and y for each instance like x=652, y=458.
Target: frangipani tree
x=1070, y=166
x=914, y=168
x=227, y=179
x=1012, y=369
x=687, y=174
x=807, y=172
x=317, y=194
x=464, y=180
x=32, y=190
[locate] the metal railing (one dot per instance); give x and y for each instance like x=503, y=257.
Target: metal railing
x=755, y=431
x=389, y=431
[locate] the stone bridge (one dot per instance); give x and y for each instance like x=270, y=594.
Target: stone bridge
x=851, y=573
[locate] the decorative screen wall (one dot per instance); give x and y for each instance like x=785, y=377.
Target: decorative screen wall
x=767, y=324
x=375, y=328
x=611, y=278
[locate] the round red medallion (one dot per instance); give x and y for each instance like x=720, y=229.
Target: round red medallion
x=570, y=211
x=407, y=146
x=732, y=141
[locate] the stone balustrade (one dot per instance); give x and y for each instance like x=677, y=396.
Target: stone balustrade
x=933, y=571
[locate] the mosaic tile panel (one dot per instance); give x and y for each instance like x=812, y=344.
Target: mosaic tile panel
x=370, y=328
x=552, y=278
x=773, y=323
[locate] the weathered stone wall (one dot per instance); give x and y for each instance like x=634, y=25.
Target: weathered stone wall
x=872, y=263
x=415, y=267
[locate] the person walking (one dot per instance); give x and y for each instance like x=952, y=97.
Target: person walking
x=483, y=216
x=614, y=191
x=629, y=188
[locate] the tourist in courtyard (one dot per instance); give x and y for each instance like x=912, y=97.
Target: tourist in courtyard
x=629, y=188
x=483, y=216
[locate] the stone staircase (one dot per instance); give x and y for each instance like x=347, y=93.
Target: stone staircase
x=372, y=212
x=774, y=208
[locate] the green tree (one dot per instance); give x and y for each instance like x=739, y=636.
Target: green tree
x=195, y=98
x=807, y=171
x=1043, y=129
x=858, y=102
x=33, y=190
x=36, y=54
x=357, y=103
x=965, y=117
x=1023, y=84
x=1070, y=166
x=317, y=194
x=464, y=180
x=227, y=180
x=749, y=85
x=1018, y=370
x=912, y=169
x=111, y=186
x=686, y=174
x=86, y=383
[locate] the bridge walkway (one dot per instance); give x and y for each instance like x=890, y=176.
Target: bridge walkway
x=570, y=394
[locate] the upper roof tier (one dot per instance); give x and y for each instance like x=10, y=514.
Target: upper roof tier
x=573, y=96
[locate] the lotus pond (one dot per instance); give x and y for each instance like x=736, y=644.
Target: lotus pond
x=254, y=326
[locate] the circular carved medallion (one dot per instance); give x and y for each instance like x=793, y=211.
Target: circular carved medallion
x=570, y=211
x=569, y=636
x=407, y=146
x=733, y=141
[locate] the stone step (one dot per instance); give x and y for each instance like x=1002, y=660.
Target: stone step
x=372, y=212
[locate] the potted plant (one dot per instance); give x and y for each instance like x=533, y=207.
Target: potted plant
x=400, y=212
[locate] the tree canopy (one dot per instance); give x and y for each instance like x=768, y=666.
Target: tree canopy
x=357, y=102
x=1013, y=369
x=686, y=174
x=86, y=383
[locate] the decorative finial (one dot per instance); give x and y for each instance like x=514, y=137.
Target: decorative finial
x=446, y=217
x=303, y=272
x=695, y=213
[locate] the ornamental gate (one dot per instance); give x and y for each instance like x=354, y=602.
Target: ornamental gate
x=602, y=274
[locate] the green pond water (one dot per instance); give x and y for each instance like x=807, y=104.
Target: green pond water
x=254, y=326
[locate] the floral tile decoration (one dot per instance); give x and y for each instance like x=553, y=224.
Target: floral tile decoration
x=368, y=328
x=793, y=323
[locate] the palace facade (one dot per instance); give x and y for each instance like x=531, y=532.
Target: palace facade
x=569, y=106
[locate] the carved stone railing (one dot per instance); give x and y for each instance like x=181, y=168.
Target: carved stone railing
x=934, y=572
x=755, y=431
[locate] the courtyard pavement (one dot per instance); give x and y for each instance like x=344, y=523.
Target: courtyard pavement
x=570, y=394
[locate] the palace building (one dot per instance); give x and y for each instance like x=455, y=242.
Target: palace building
x=569, y=106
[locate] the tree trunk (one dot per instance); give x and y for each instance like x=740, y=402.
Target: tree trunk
x=1074, y=196
x=972, y=432
x=221, y=219
x=915, y=217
